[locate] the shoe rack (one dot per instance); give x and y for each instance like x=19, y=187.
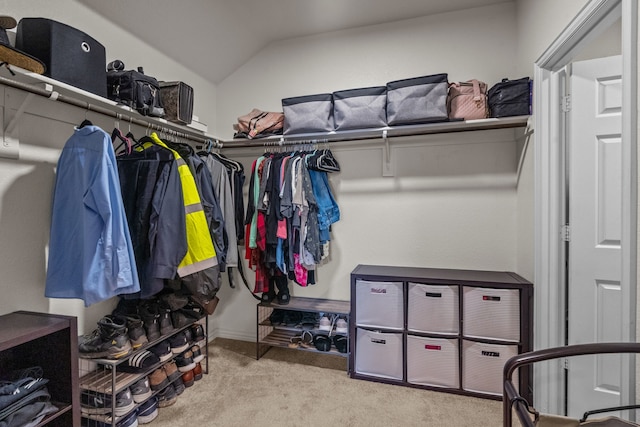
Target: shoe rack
x=104, y=376
x=448, y=330
x=50, y=341
x=288, y=336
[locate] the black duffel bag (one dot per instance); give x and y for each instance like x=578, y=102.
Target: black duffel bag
x=510, y=98
x=134, y=89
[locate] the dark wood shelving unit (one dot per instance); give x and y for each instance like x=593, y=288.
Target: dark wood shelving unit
x=50, y=341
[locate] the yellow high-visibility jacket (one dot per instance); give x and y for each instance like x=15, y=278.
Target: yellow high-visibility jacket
x=200, y=251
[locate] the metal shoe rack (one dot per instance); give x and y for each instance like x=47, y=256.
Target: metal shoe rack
x=102, y=375
x=269, y=335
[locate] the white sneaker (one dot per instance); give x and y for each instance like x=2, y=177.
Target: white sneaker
x=342, y=327
x=325, y=324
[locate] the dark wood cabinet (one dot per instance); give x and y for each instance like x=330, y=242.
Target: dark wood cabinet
x=441, y=329
x=29, y=339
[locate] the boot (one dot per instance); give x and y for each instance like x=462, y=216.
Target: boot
x=109, y=340
x=282, y=283
x=151, y=319
x=136, y=332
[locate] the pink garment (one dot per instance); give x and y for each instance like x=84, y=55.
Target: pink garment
x=300, y=271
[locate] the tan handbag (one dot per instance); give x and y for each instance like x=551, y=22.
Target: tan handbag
x=468, y=100
x=257, y=122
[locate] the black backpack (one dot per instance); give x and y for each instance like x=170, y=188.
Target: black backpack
x=134, y=89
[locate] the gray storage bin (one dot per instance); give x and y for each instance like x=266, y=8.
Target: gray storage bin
x=360, y=108
x=307, y=114
x=417, y=100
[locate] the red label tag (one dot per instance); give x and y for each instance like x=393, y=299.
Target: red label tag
x=432, y=347
x=490, y=298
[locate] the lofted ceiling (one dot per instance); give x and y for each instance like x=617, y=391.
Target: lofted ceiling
x=214, y=37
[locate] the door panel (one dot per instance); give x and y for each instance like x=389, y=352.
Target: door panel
x=595, y=218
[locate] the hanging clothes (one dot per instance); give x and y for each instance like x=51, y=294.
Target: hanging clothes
x=90, y=250
x=152, y=195
x=289, y=216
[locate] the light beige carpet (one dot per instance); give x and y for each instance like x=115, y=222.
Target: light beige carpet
x=298, y=388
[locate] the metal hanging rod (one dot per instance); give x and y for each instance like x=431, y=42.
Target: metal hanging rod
x=55, y=96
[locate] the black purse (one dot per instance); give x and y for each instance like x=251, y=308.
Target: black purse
x=510, y=98
x=134, y=89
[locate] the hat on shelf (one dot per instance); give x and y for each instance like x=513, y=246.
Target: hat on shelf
x=12, y=56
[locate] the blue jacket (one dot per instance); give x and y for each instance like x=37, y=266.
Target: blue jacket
x=90, y=251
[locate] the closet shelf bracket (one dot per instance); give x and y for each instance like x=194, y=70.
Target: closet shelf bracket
x=10, y=138
x=387, y=164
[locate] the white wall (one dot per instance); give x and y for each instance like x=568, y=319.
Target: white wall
x=452, y=202
x=26, y=184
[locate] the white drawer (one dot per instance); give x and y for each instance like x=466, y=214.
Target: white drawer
x=433, y=308
x=491, y=313
x=379, y=354
x=380, y=304
x=483, y=364
x=433, y=361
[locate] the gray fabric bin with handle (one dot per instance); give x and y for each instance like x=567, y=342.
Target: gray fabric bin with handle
x=417, y=100
x=360, y=108
x=307, y=114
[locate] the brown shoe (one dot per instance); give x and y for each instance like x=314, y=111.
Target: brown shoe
x=188, y=379
x=171, y=369
x=158, y=379
x=197, y=372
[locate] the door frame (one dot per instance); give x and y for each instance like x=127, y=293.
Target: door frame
x=549, y=169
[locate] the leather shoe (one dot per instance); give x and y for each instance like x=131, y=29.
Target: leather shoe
x=188, y=379
x=197, y=372
x=158, y=379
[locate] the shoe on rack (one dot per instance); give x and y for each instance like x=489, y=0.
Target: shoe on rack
x=188, y=378
x=158, y=379
x=178, y=343
x=197, y=353
x=198, y=333
x=140, y=362
x=324, y=324
x=185, y=361
x=136, y=332
x=124, y=402
x=197, y=372
x=167, y=396
x=179, y=386
x=130, y=420
x=308, y=321
x=151, y=320
x=340, y=342
x=342, y=327
x=166, y=325
x=171, y=369
x=109, y=340
x=148, y=411
x=94, y=403
x=162, y=350
x=141, y=390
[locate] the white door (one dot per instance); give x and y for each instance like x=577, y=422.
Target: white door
x=595, y=220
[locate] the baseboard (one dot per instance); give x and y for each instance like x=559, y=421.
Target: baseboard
x=229, y=334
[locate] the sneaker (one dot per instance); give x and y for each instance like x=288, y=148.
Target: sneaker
x=162, y=350
x=197, y=353
x=130, y=420
x=171, y=370
x=342, y=327
x=94, y=403
x=109, y=340
x=178, y=343
x=124, y=402
x=148, y=411
x=325, y=324
x=158, y=379
x=136, y=332
x=141, y=390
x=167, y=396
x=185, y=361
x=197, y=372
